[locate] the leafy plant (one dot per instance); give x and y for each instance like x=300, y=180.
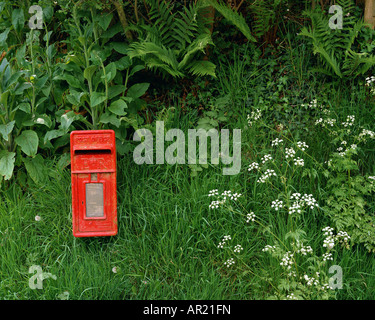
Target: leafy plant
x=171, y=43
x=336, y=47
x=97, y=74
x=175, y=41
x=347, y=190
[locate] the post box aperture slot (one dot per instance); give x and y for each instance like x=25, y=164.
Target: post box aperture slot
x=94, y=200
x=92, y=151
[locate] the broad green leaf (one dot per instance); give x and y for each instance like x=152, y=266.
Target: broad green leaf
x=18, y=19
x=7, y=163
x=22, y=87
x=110, y=118
x=115, y=91
x=120, y=47
x=6, y=129
x=72, y=81
x=89, y=72
x=4, y=98
x=28, y=141
x=53, y=134
x=136, y=69
x=123, y=63
x=75, y=97
x=43, y=119
x=97, y=98
x=137, y=90
x=35, y=168
x=118, y=106
x=25, y=107
x=39, y=84
x=110, y=70
x=67, y=119
x=63, y=161
x=3, y=38
x=104, y=20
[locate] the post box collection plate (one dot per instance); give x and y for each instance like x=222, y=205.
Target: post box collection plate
x=94, y=191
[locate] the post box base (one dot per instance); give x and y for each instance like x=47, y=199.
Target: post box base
x=94, y=234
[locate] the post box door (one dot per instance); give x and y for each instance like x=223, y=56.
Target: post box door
x=95, y=203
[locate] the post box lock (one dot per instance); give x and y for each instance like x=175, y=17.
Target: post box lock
x=94, y=191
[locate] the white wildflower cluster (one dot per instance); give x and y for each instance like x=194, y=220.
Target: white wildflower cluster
x=302, y=145
x=230, y=195
x=304, y=250
x=369, y=81
x=229, y=262
x=276, y=142
x=254, y=116
x=313, y=103
x=289, y=153
x=250, y=217
x=301, y=201
x=238, y=248
x=224, y=241
x=269, y=248
x=287, y=260
x=325, y=122
x=366, y=132
x=349, y=121
x=253, y=166
x=226, y=195
x=291, y=296
x=277, y=204
x=299, y=162
x=216, y=204
x=329, y=241
x=327, y=256
x=343, y=237
x=326, y=111
x=266, y=158
x=343, y=152
x=312, y=280
x=269, y=173
x=214, y=192
x=371, y=178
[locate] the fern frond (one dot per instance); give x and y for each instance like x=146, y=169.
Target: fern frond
x=202, y=68
x=231, y=16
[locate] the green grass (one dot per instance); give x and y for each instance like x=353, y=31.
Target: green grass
x=166, y=245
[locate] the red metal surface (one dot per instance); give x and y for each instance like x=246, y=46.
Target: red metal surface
x=93, y=160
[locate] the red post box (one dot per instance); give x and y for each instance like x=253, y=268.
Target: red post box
x=93, y=172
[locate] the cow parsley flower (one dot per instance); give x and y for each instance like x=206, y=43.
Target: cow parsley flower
x=250, y=217
x=266, y=175
x=276, y=142
x=229, y=262
x=238, y=248
x=302, y=145
x=299, y=162
x=289, y=153
x=277, y=204
x=253, y=166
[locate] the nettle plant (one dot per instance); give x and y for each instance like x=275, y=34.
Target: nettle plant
x=97, y=71
x=303, y=272
x=347, y=188
x=24, y=101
